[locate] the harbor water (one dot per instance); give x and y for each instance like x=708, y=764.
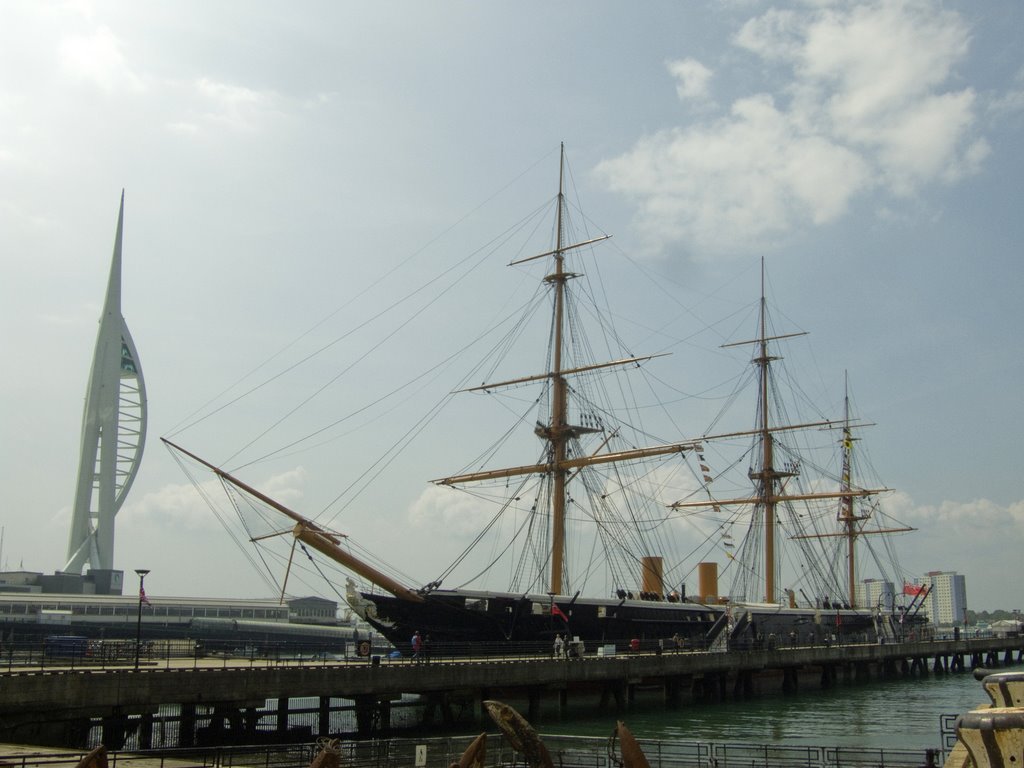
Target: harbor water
x=900, y=714
x=897, y=714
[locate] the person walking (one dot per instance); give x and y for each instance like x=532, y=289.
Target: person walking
x=559, y=648
x=417, y=646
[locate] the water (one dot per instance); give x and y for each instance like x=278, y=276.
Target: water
x=899, y=714
x=902, y=714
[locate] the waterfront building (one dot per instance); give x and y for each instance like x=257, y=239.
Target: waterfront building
x=876, y=593
x=25, y=615
x=312, y=610
x=947, y=601
x=110, y=610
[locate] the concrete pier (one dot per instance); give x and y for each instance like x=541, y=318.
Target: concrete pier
x=218, y=701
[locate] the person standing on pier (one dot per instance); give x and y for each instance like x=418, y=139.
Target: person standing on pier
x=417, y=646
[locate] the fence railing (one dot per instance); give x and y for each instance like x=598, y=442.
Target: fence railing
x=80, y=652
x=566, y=752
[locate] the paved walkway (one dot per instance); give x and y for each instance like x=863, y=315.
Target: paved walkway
x=29, y=756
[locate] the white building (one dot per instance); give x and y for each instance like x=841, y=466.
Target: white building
x=876, y=594
x=947, y=602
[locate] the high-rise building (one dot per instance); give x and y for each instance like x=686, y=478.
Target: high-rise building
x=876, y=594
x=947, y=600
x=113, y=434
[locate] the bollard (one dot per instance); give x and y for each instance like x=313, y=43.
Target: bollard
x=994, y=737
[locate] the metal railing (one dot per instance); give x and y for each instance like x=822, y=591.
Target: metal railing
x=566, y=752
x=70, y=652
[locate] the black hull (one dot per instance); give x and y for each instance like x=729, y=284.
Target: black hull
x=471, y=622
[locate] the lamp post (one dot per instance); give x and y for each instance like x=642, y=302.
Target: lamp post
x=138, y=625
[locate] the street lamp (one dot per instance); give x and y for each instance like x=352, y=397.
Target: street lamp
x=138, y=625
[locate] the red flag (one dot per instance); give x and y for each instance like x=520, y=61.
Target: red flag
x=556, y=611
x=912, y=589
x=142, y=596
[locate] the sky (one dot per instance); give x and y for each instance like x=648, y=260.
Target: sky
x=291, y=169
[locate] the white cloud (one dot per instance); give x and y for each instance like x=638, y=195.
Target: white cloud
x=97, y=58
x=233, y=106
x=863, y=110
x=181, y=506
x=441, y=508
x=978, y=518
x=286, y=487
x=1011, y=102
x=692, y=78
x=963, y=536
x=739, y=183
x=775, y=35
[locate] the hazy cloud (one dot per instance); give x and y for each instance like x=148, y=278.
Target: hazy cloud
x=97, y=58
x=1011, y=102
x=939, y=541
x=234, y=106
x=178, y=505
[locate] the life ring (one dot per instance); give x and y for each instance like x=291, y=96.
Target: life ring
x=364, y=648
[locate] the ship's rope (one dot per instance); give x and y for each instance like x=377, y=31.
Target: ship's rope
x=482, y=254
x=319, y=570
x=221, y=518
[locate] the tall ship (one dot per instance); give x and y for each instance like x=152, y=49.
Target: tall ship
x=615, y=536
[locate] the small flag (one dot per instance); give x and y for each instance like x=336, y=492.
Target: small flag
x=142, y=596
x=556, y=611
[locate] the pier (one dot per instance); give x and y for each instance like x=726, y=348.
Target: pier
x=225, y=700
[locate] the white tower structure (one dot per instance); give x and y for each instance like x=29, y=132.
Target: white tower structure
x=113, y=431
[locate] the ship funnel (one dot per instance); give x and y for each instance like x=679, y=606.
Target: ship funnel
x=652, y=577
x=707, y=574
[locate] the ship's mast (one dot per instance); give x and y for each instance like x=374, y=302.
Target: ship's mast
x=769, y=489
x=767, y=477
x=852, y=523
x=558, y=432
x=305, y=530
x=557, y=435
x=846, y=514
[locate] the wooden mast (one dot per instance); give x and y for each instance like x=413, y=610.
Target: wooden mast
x=768, y=476
x=559, y=465
x=768, y=489
x=557, y=435
x=767, y=480
x=851, y=528
x=846, y=513
x=769, y=492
